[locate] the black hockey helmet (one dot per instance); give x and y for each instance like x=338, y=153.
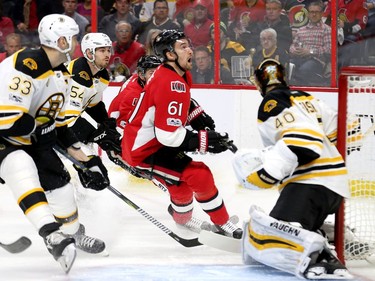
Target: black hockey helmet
x=146, y=62
x=268, y=73
x=164, y=42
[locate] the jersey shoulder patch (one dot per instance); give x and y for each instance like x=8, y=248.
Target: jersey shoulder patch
x=273, y=104
x=34, y=63
x=81, y=72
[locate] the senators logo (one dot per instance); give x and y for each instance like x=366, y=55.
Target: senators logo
x=298, y=16
x=84, y=75
x=30, y=63
x=178, y=87
x=271, y=104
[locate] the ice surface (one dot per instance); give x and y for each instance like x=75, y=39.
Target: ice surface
x=138, y=249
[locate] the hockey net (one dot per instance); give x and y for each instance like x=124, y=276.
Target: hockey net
x=355, y=223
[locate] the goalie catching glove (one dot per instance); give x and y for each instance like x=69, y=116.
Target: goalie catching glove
x=95, y=176
x=198, y=119
x=106, y=136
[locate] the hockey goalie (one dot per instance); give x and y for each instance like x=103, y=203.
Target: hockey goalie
x=301, y=159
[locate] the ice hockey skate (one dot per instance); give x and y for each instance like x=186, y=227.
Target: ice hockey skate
x=193, y=224
x=327, y=266
x=62, y=249
x=86, y=243
x=229, y=229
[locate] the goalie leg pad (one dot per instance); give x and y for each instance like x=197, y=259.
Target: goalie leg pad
x=279, y=244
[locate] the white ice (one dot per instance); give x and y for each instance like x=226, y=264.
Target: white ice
x=138, y=250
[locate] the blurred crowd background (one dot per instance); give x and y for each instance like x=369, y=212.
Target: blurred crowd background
x=298, y=33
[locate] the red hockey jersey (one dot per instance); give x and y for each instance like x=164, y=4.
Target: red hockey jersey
x=159, y=117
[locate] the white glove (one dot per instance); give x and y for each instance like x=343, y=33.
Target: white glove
x=356, y=28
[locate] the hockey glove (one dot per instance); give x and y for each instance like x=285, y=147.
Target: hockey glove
x=44, y=135
x=106, y=136
x=95, y=176
x=209, y=141
x=198, y=119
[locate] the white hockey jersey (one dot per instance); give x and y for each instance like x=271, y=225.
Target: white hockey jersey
x=308, y=127
x=30, y=85
x=86, y=89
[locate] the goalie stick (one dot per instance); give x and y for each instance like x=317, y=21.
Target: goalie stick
x=17, y=246
x=185, y=242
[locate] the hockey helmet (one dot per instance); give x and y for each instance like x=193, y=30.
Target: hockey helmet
x=54, y=26
x=147, y=62
x=164, y=42
x=91, y=41
x=268, y=73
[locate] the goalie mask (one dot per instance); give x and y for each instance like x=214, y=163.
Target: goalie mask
x=54, y=26
x=269, y=73
x=164, y=42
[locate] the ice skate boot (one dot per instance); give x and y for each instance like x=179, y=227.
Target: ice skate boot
x=86, y=243
x=326, y=266
x=62, y=249
x=193, y=224
x=229, y=228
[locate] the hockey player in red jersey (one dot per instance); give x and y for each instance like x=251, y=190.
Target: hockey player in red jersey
x=129, y=93
x=156, y=138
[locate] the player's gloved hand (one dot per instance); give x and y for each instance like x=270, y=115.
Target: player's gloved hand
x=96, y=175
x=106, y=136
x=209, y=141
x=44, y=135
x=198, y=119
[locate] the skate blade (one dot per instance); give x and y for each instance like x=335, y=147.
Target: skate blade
x=221, y=242
x=67, y=258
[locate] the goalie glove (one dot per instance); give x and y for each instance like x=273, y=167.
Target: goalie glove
x=198, y=119
x=44, y=135
x=95, y=176
x=106, y=136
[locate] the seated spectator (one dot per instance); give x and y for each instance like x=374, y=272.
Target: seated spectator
x=151, y=35
x=276, y=20
x=26, y=17
x=12, y=45
x=352, y=19
x=228, y=48
x=126, y=50
x=6, y=26
x=244, y=18
x=123, y=13
x=311, y=48
x=203, y=73
x=148, y=10
x=84, y=9
x=270, y=49
x=70, y=7
x=159, y=20
x=198, y=30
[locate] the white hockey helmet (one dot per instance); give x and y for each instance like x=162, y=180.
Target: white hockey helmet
x=94, y=40
x=54, y=26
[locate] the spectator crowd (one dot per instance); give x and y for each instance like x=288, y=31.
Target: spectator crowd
x=296, y=33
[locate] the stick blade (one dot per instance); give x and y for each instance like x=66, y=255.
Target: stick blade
x=219, y=241
x=17, y=246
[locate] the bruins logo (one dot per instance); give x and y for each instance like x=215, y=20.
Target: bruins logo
x=52, y=106
x=271, y=104
x=84, y=75
x=30, y=63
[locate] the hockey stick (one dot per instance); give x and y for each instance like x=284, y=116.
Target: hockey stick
x=185, y=242
x=17, y=246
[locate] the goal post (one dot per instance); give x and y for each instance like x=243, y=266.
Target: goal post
x=355, y=221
